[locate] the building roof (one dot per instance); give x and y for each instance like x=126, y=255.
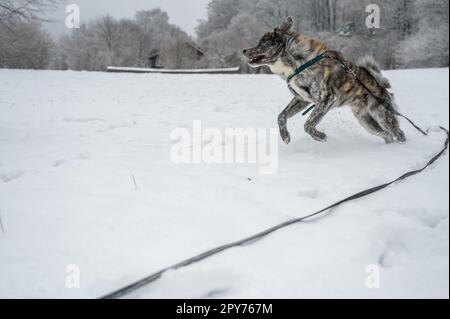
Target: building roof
x=156, y=53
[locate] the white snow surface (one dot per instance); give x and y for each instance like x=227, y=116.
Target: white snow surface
x=71, y=142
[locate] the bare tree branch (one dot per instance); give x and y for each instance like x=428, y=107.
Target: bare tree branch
x=25, y=9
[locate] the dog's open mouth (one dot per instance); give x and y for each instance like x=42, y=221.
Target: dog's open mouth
x=257, y=59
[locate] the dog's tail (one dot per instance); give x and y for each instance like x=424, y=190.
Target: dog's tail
x=368, y=62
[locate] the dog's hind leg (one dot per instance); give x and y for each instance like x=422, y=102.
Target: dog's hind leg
x=387, y=120
x=291, y=110
x=372, y=127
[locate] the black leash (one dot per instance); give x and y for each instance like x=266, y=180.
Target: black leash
x=410, y=122
x=250, y=240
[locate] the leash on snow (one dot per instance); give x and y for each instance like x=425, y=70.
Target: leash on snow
x=252, y=239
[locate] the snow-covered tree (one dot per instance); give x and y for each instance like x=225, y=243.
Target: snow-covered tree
x=24, y=9
x=428, y=47
x=24, y=45
x=23, y=42
x=108, y=41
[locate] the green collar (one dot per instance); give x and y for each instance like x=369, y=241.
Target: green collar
x=303, y=67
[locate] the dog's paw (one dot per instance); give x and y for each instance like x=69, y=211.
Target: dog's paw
x=401, y=138
x=389, y=139
x=319, y=136
x=285, y=136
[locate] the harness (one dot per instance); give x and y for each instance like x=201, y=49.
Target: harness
x=327, y=55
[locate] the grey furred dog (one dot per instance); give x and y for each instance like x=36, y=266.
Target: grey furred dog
x=327, y=84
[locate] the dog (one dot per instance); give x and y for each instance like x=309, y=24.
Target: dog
x=327, y=84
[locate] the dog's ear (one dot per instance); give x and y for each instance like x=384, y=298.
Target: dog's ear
x=286, y=25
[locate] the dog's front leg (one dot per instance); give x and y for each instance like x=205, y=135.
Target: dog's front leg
x=291, y=110
x=317, y=115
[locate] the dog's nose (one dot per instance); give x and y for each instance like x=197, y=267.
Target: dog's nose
x=244, y=51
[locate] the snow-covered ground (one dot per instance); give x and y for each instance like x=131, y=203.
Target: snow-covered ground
x=71, y=142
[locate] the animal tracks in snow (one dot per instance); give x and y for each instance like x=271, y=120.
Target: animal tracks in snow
x=312, y=193
x=11, y=176
x=62, y=161
x=59, y=162
x=395, y=253
x=82, y=119
x=216, y=282
x=94, y=120
x=112, y=127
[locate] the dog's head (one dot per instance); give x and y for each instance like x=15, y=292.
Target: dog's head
x=270, y=46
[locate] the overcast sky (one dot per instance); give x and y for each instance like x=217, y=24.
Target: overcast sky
x=183, y=13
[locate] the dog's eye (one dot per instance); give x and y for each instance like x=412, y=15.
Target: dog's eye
x=276, y=35
x=268, y=37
